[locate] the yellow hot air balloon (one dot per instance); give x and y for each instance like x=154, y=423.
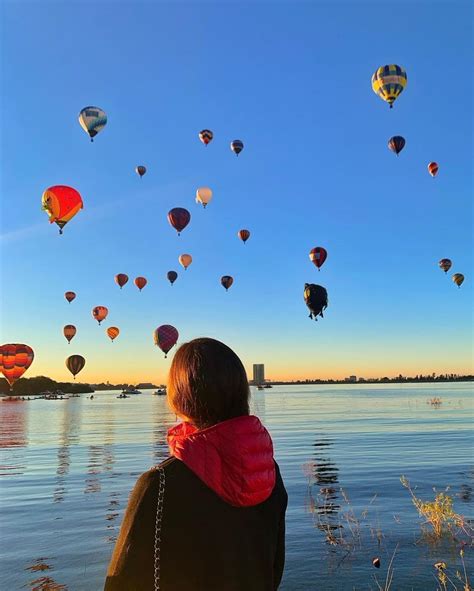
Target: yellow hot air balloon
x=203, y=195
x=458, y=279
x=113, y=332
x=388, y=82
x=185, y=260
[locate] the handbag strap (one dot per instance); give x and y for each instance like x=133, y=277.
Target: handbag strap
x=158, y=524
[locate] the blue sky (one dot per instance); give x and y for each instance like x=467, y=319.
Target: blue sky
x=292, y=80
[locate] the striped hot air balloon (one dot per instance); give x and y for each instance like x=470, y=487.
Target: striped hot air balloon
x=388, y=82
x=69, y=332
x=396, y=144
x=433, y=168
x=92, y=120
x=458, y=279
x=113, y=332
x=75, y=363
x=70, y=295
x=206, y=136
x=165, y=337
x=179, y=218
x=15, y=359
x=226, y=281
x=121, y=279
x=244, y=235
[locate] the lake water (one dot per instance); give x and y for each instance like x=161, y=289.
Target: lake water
x=67, y=468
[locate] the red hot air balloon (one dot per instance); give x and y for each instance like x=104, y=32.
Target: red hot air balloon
x=445, y=264
x=61, y=204
x=100, y=313
x=140, y=282
x=172, y=276
x=179, y=218
x=15, y=359
x=165, y=337
x=317, y=256
x=121, y=279
x=70, y=295
x=244, y=235
x=69, y=332
x=433, y=168
x=227, y=281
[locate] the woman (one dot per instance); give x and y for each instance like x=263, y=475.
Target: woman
x=212, y=516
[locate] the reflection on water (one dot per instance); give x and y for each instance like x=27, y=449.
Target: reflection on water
x=13, y=425
x=69, y=466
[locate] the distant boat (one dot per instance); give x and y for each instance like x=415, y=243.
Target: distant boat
x=123, y=395
x=261, y=387
x=130, y=390
x=268, y=386
x=160, y=392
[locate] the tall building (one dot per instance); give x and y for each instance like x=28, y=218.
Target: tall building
x=258, y=373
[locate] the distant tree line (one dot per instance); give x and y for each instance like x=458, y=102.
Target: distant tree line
x=33, y=386
x=448, y=377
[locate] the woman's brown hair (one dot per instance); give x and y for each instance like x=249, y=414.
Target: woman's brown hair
x=207, y=383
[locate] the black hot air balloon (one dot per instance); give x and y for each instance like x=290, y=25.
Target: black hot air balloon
x=316, y=298
x=227, y=281
x=75, y=363
x=396, y=144
x=172, y=276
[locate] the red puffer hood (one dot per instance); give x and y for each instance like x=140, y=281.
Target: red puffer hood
x=233, y=458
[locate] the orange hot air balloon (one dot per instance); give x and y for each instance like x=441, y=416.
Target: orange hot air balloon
x=70, y=295
x=185, y=260
x=244, y=235
x=458, y=279
x=15, y=359
x=61, y=203
x=69, y=332
x=113, y=332
x=121, y=279
x=140, y=282
x=99, y=313
x=75, y=363
x=433, y=168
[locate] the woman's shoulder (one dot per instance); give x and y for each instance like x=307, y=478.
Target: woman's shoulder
x=170, y=467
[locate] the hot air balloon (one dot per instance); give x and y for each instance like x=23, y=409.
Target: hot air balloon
x=121, y=279
x=185, y=260
x=179, y=218
x=244, y=235
x=317, y=256
x=376, y=562
x=433, y=168
x=396, y=144
x=70, y=295
x=388, y=82
x=140, y=170
x=69, y=332
x=316, y=298
x=165, y=337
x=172, y=276
x=206, y=136
x=99, y=313
x=92, y=120
x=113, y=332
x=227, y=281
x=15, y=359
x=61, y=204
x=445, y=264
x=236, y=146
x=203, y=195
x=75, y=364
x=140, y=282
x=458, y=279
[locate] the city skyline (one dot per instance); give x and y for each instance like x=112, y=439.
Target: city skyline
x=315, y=171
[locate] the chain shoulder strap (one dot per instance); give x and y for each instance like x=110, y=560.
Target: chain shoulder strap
x=158, y=524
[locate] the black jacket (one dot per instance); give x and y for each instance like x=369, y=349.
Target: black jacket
x=206, y=544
